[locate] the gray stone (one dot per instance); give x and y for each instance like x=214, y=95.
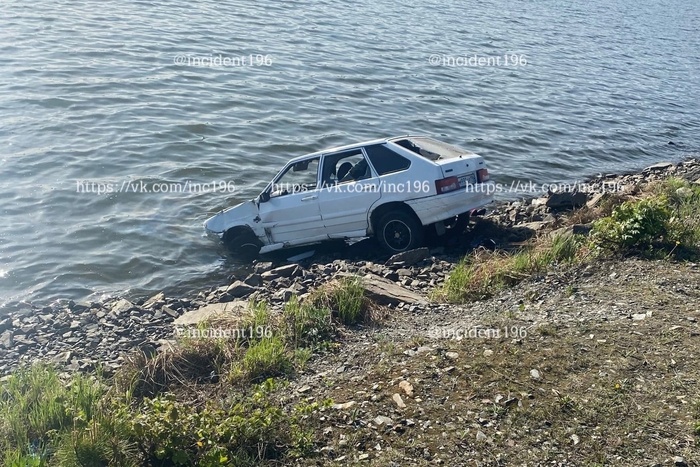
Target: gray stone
x=240, y=289
x=407, y=258
x=289, y=270
x=159, y=297
x=383, y=420
x=263, y=266
x=254, y=280
x=214, y=311
x=6, y=340
x=386, y=292
x=122, y=306
x=658, y=167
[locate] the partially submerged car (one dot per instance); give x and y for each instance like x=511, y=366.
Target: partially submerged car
x=390, y=188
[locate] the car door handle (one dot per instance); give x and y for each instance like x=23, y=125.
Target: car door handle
x=309, y=198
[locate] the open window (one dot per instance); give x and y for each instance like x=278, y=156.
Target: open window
x=344, y=167
x=386, y=161
x=430, y=148
x=297, y=178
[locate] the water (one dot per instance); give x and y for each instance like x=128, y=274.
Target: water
x=90, y=91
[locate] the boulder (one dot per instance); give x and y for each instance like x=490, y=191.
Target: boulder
x=240, y=289
x=661, y=166
x=410, y=257
x=289, y=270
x=213, y=312
x=386, y=292
x=566, y=199
x=122, y=306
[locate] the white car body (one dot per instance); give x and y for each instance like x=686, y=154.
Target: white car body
x=300, y=206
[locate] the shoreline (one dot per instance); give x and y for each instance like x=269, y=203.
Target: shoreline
x=82, y=336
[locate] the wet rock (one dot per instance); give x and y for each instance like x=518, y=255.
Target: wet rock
x=410, y=257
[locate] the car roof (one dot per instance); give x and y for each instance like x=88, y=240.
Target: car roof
x=351, y=146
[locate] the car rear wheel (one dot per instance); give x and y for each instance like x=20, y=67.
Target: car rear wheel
x=243, y=245
x=399, y=231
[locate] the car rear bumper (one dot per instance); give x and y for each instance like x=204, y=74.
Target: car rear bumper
x=438, y=208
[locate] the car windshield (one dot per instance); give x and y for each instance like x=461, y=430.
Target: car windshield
x=298, y=177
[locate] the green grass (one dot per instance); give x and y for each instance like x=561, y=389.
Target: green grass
x=307, y=324
x=665, y=222
x=346, y=299
x=266, y=358
x=482, y=274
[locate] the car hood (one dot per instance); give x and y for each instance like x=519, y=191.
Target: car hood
x=240, y=214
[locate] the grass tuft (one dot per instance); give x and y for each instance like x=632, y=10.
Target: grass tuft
x=483, y=273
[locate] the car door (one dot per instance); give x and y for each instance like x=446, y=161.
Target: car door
x=291, y=215
x=346, y=197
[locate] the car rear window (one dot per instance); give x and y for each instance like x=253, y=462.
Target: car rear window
x=385, y=160
x=431, y=148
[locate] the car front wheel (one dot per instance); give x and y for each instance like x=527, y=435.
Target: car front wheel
x=399, y=231
x=245, y=246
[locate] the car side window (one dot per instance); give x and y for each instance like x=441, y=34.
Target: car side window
x=299, y=177
x=344, y=167
x=385, y=160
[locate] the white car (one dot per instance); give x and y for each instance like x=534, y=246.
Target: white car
x=390, y=188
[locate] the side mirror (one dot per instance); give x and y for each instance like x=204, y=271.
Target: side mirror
x=264, y=196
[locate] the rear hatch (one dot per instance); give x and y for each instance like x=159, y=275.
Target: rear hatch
x=454, y=161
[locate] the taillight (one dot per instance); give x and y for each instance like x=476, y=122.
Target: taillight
x=482, y=175
x=447, y=184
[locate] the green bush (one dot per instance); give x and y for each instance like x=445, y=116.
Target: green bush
x=253, y=429
x=634, y=225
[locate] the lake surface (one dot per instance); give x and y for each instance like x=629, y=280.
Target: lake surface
x=133, y=94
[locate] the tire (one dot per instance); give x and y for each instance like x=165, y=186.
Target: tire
x=243, y=245
x=399, y=231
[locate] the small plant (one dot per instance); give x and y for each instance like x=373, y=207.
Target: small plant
x=346, y=298
x=266, y=358
x=308, y=325
x=633, y=225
